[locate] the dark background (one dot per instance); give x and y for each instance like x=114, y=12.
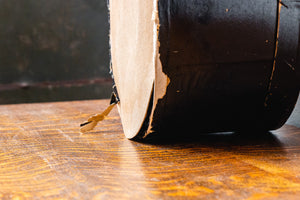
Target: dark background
x=53, y=50
x=56, y=50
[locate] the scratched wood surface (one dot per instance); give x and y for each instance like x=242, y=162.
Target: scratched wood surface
x=43, y=156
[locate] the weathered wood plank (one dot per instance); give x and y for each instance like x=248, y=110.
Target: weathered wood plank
x=43, y=156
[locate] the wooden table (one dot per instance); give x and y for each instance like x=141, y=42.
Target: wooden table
x=43, y=156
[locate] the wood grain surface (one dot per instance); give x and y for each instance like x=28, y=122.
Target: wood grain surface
x=43, y=156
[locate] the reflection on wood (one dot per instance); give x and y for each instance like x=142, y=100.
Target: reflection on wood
x=43, y=156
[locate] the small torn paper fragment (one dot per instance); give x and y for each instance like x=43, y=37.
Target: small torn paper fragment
x=93, y=120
